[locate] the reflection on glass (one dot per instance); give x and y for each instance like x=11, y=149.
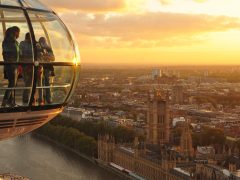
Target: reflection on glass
x=78, y=57
x=75, y=83
x=20, y=93
x=35, y=4
x=10, y=2
x=77, y=60
x=55, y=85
x=11, y=18
x=48, y=26
x=64, y=79
x=55, y=49
x=16, y=80
x=13, y=15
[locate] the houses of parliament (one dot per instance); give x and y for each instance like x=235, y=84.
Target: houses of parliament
x=157, y=158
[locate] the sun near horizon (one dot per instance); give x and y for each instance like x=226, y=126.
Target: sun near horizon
x=157, y=32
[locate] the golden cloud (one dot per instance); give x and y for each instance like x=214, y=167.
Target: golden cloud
x=147, y=29
x=200, y=1
x=166, y=2
x=86, y=5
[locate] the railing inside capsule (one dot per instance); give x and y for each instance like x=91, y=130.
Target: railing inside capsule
x=16, y=90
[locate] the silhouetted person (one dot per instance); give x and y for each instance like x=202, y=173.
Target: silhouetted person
x=27, y=57
x=11, y=54
x=47, y=56
x=39, y=77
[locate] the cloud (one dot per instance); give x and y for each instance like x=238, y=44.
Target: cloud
x=200, y=1
x=86, y=5
x=148, y=24
x=166, y=2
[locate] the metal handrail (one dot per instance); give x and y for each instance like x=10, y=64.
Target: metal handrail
x=2, y=63
x=40, y=87
x=16, y=88
x=54, y=87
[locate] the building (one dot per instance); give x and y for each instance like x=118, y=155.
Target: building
x=158, y=121
x=136, y=159
x=156, y=73
x=177, y=95
x=186, y=147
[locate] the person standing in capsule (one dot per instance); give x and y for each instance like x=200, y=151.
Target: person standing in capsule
x=47, y=57
x=11, y=54
x=26, y=57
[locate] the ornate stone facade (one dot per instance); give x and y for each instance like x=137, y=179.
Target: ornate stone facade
x=158, y=121
x=136, y=160
x=177, y=94
x=106, y=147
x=186, y=147
x=167, y=162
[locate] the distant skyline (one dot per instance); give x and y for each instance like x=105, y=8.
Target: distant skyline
x=157, y=32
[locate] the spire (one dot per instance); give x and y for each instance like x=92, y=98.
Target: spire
x=136, y=142
x=186, y=140
x=158, y=118
x=157, y=94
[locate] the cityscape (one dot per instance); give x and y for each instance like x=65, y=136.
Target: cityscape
x=119, y=90
x=186, y=120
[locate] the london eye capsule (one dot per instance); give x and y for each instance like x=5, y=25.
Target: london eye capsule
x=39, y=66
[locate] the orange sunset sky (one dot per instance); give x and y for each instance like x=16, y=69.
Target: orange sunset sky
x=164, y=32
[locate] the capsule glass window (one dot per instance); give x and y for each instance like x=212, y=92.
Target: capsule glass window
x=9, y=2
x=51, y=28
x=16, y=60
x=35, y=4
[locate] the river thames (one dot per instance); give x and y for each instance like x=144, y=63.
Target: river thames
x=38, y=159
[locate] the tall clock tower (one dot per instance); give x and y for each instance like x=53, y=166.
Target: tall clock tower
x=158, y=120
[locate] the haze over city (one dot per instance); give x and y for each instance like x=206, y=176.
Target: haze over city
x=156, y=96
x=165, y=32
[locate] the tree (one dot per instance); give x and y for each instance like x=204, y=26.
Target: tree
x=208, y=136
